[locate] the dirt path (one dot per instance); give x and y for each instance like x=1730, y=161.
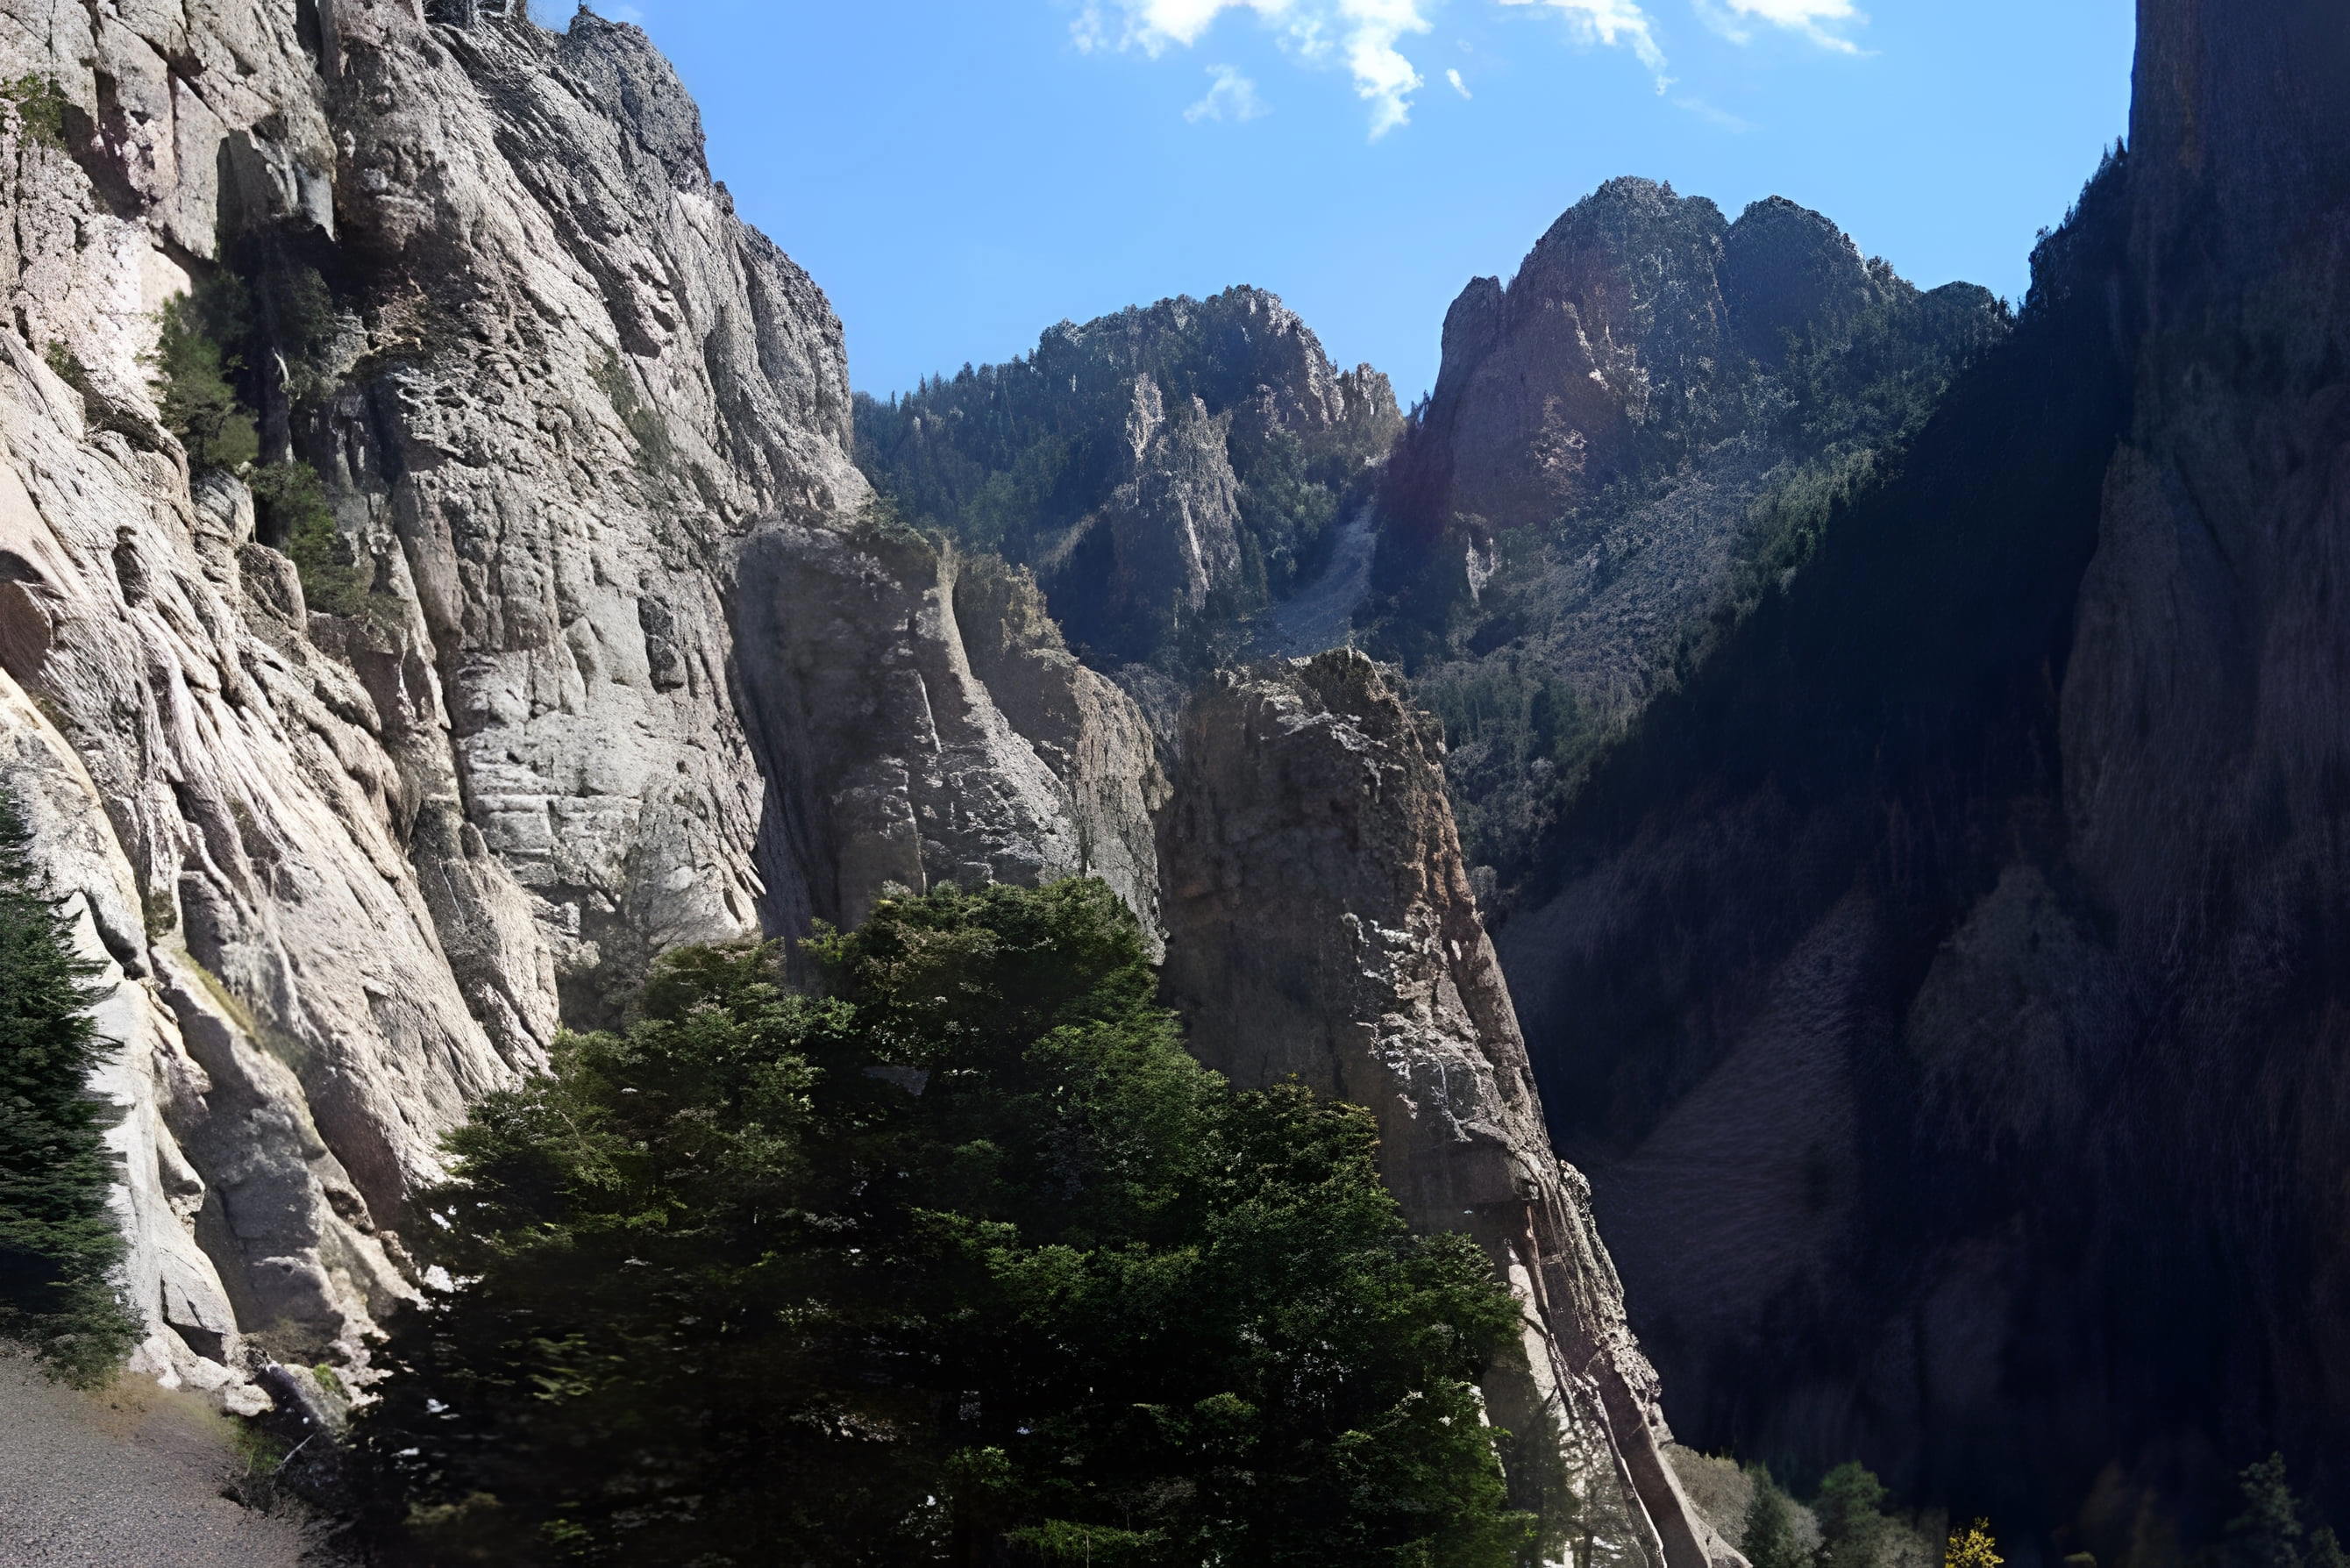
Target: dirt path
x=128, y=1479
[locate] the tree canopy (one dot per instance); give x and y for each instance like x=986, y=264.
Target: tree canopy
x=961, y=1259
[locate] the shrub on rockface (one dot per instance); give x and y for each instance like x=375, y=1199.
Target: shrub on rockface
x=193, y=379
x=964, y=1259
x=61, y=1249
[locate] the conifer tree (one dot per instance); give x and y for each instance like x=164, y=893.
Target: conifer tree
x=966, y=1260
x=1769, y=1535
x=61, y=1249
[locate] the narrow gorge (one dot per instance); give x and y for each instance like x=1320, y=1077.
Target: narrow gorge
x=1805, y=809
x=589, y=640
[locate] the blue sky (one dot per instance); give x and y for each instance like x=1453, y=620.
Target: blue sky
x=960, y=175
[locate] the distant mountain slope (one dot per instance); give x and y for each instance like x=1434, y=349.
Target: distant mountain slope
x=1167, y=471
x=1624, y=444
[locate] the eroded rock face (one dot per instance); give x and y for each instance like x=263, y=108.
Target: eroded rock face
x=1322, y=927
x=917, y=730
x=356, y=856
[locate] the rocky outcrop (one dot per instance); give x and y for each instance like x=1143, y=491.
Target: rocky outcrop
x=1954, y=969
x=1167, y=471
x=1322, y=928
x=920, y=722
x=357, y=838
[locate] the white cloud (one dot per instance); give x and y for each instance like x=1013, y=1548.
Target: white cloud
x=1458, y=85
x=1230, y=96
x=1613, y=22
x=1814, y=19
x=1363, y=35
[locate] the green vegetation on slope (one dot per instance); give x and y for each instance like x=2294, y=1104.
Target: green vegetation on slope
x=965, y=1260
x=1021, y=459
x=61, y=1249
x=207, y=385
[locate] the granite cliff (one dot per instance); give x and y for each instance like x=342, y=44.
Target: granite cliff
x=358, y=837
x=1952, y=967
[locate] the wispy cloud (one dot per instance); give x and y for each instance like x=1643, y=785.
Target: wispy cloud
x=1230, y=96
x=1615, y=22
x=1722, y=118
x=1367, y=39
x=1364, y=37
x=1818, y=20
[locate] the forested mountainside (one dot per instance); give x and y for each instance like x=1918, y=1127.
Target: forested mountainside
x=1166, y=471
x=1943, y=986
x=1627, y=444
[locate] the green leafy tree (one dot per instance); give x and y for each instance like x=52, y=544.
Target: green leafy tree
x=965, y=1260
x=60, y=1251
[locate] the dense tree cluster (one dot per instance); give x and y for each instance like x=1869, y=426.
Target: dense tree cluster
x=961, y=1259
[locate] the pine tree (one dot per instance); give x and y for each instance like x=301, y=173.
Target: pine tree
x=61, y=1249
x=2268, y=1533
x=1769, y=1536
x=966, y=1258
x=1852, y=1517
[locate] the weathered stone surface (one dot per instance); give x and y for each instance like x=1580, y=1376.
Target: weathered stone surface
x=1320, y=926
x=889, y=757
x=1166, y=470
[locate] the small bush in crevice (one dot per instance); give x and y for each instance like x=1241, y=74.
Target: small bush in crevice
x=60, y=1251
x=295, y=512
x=192, y=373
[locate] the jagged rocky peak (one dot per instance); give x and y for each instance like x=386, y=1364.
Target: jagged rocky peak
x=1642, y=426
x=1787, y=273
x=1167, y=471
x=1322, y=929
x=1627, y=339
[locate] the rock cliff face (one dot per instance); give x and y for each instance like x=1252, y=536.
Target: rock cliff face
x=1954, y=969
x=1166, y=470
x=356, y=856
x=1322, y=927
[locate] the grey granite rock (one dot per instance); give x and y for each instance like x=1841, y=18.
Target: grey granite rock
x=358, y=860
